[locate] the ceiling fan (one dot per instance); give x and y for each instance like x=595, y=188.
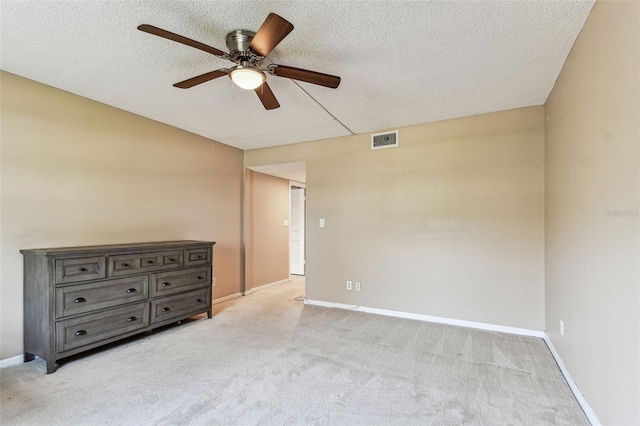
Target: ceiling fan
x=249, y=50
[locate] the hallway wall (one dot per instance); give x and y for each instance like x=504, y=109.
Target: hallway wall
x=267, y=242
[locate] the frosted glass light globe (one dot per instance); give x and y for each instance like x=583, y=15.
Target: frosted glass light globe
x=248, y=78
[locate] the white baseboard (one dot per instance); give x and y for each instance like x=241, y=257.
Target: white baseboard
x=591, y=415
x=482, y=326
x=225, y=298
x=588, y=411
x=264, y=286
x=428, y=318
x=14, y=360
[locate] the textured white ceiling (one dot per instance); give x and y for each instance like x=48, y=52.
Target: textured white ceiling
x=401, y=63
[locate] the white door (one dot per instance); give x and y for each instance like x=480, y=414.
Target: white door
x=296, y=232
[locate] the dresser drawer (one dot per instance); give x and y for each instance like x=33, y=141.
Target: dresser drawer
x=91, y=328
x=179, y=305
x=198, y=256
x=167, y=283
x=81, y=298
x=80, y=269
x=127, y=264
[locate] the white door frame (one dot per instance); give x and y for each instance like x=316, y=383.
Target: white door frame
x=291, y=268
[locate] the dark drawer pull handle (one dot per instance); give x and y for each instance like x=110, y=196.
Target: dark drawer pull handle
x=171, y=260
x=198, y=278
x=80, y=300
x=167, y=284
x=149, y=261
x=80, y=332
x=165, y=309
x=125, y=264
x=131, y=290
x=83, y=269
x=131, y=319
x=198, y=257
x=198, y=300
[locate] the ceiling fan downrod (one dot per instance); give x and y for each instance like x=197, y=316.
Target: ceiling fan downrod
x=238, y=43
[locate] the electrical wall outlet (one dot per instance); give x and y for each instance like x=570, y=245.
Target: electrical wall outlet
x=561, y=328
x=213, y=281
x=357, y=286
x=349, y=285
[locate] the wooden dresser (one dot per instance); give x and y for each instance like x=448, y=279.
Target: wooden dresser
x=78, y=298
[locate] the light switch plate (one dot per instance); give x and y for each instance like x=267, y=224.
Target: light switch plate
x=285, y=223
x=321, y=223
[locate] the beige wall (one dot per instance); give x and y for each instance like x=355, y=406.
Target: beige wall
x=267, y=244
x=448, y=224
x=77, y=172
x=592, y=256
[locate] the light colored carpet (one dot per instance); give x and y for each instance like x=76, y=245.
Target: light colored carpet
x=268, y=359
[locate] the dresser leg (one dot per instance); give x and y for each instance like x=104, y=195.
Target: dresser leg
x=29, y=357
x=210, y=313
x=51, y=366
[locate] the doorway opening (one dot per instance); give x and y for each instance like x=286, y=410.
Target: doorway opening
x=274, y=225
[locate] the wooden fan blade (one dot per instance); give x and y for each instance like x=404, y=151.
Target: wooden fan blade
x=313, y=77
x=180, y=39
x=200, y=79
x=266, y=97
x=273, y=30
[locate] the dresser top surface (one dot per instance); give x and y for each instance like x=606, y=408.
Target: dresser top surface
x=118, y=247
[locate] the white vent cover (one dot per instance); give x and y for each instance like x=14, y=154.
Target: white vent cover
x=384, y=140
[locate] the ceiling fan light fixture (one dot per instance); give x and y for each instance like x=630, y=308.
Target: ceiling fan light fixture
x=248, y=78
x=248, y=51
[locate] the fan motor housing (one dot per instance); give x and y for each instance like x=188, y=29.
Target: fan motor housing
x=238, y=42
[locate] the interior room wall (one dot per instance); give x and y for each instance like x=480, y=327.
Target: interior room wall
x=267, y=248
x=592, y=202
x=449, y=223
x=78, y=172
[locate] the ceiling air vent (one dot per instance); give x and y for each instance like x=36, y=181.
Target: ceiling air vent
x=384, y=140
